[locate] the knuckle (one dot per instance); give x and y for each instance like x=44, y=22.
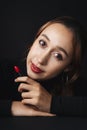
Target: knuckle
x=26, y=79
x=21, y=85
x=38, y=95
x=38, y=87
x=21, y=94
x=36, y=102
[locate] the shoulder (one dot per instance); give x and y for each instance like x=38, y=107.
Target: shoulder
x=80, y=87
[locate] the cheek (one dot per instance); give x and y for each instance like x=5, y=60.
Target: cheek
x=33, y=51
x=56, y=69
x=53, y=69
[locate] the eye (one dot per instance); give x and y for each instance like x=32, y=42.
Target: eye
x=42, y=43
x=58, y=56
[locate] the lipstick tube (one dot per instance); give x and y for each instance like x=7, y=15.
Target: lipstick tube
x=17, y=70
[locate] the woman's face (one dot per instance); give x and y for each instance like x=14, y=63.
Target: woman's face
x=51, y=52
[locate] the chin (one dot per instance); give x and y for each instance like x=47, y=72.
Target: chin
x=32, y=76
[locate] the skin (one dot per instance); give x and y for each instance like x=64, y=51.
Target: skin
x=19, y=109
x=46, y=53
x=50, y=54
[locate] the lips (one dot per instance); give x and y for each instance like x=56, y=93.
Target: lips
x=35, y=69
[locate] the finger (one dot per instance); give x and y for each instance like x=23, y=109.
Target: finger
x=29, y=94
x=25, y=79
x=41, y=113
x=24, y=86
x=31, y=101
x=26, y=95
x=34, y=111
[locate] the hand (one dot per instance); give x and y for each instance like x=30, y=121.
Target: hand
x=19, y=109
x=33, y=93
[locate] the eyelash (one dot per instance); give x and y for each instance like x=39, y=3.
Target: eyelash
x=58, y=56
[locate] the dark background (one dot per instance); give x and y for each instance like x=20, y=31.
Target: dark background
x=20, y=21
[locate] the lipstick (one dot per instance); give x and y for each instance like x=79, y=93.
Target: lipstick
x=35, y=69
x=17, y=70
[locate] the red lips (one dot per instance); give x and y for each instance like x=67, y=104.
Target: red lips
x=35, y=69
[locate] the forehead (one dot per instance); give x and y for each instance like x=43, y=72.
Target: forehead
x=58, y=29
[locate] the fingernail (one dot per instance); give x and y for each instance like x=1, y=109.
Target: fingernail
x=15, y=80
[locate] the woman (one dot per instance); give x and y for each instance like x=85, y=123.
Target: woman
x=53, y=66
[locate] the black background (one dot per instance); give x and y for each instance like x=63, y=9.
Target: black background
x=20, y=21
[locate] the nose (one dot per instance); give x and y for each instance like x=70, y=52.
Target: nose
x=43, y=58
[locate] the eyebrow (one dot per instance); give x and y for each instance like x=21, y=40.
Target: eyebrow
x=46, y=37
x=60, y=48
x=63, y=50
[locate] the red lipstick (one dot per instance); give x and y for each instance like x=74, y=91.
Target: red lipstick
x=17, y=70
x=35, y=69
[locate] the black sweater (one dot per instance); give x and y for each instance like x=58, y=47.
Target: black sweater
x=61, y=105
